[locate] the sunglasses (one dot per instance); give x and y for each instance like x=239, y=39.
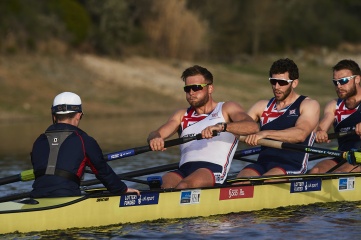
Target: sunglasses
x=281, y=82
x=195, y=87
x=342, y=81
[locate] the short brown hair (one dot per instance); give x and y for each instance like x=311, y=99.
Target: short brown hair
x=198, y=70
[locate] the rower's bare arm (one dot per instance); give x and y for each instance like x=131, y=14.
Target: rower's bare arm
x=157, y=137
x=239, y=122
x=256, y=110
x=326, y=122
x=306, y=123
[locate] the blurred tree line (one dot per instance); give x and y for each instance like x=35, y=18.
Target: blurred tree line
x=218, y=30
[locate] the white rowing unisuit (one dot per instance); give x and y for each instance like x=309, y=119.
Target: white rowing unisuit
x=218, y=150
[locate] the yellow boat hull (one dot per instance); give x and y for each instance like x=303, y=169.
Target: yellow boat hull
x=101, y=209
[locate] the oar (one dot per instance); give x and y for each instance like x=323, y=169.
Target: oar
x=250, y=151
x=163, y=168
x=312, y=157
x=340, y=134
x=136, y=173
x=126, y=176
x=139, y=150
x=28, y=175
x=350, y=156
x=246, y=152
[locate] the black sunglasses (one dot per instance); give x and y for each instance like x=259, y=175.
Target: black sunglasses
x=281, y=82
x=342, y=81
x=194, y=87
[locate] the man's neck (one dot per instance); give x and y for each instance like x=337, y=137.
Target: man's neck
x=288, y=101
x=207, y=108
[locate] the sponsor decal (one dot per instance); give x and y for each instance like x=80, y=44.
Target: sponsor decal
x=236, y=192
x=103, y=199
x=135, y=200
x=306, y=186
x=346, y=184
x=121, y=154
x=214, y=115
x=190, y=135
x=346, y=129
x=190, y=196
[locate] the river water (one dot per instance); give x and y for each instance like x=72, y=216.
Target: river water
x=319, y=221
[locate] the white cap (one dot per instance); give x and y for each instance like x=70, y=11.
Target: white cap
x=66, y=102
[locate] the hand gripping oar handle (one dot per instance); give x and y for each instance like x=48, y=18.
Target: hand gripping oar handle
x=139, y=150
x=351, y=156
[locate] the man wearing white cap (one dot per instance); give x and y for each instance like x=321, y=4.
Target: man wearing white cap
x=60, y=155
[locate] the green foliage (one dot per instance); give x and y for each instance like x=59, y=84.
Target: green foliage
x=221, y=30
x=74, y=17
x=113, y=25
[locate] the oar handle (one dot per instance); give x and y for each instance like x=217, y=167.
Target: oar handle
x=265, y=142
x=352, y=157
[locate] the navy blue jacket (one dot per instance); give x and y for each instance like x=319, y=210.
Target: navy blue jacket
x=77, y=151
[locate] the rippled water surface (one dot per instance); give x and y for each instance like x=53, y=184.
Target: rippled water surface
x=318, y=221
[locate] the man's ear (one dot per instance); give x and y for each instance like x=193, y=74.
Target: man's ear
x=357, y=79
x=294, y=83
x=210, y=88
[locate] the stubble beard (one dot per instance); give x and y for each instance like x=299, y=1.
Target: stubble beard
x=285, y=94
x=352, y=92
x=199, y=103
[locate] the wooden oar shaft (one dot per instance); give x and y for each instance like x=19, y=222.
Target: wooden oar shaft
x=295, y=147
x=308, y=149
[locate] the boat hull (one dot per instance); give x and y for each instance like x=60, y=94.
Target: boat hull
x=95, y=210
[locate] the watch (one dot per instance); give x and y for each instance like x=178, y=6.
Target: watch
x=224, y=126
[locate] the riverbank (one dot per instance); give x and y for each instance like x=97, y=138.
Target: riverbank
x=135, y=85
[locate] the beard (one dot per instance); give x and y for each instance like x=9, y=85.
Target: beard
x=283, y=95
x=198, y=103
x=347, y=94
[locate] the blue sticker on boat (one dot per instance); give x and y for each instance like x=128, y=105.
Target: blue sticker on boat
x=306, y=185
x=143, y=199
x=190, y=196
x=346, y=183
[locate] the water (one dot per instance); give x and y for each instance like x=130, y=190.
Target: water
x=321, y=221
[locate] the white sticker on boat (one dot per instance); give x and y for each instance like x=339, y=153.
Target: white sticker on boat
x=190, y=196
x=143, y=199
x=346, y=184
